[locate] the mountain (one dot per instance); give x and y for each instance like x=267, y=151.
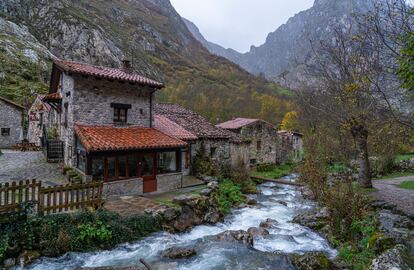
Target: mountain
x=291, y=44
x=148, y=32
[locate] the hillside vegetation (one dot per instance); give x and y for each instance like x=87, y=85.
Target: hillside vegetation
x=153, y=35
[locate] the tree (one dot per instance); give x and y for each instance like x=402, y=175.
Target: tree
x=345, y=73
x=290, y=121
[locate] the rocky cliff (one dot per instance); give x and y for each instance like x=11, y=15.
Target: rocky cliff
x=149, y=32
x=290, y=45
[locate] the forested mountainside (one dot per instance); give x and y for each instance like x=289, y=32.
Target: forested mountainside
x=150, y=32
x=288, y=47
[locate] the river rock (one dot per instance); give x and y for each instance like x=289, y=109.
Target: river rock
x=282, y=202
x=187, y=199
x=395, y=259
x=178, y=253
x=213, y=185
x=307, y=193
x=236, y=236
x=212, y=216
x=396, y=226
x=258, y=231
x=251, y=202
x=187, y=219
x=27, y=257
x=206, y=191
x=9, y=263
x=312, y=260
x=314, y=219
x=268, y=223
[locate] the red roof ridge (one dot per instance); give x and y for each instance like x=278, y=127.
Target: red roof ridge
x=105, y=72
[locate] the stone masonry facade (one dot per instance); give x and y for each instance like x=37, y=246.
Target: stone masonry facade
x=88, y=101
x=10, y=124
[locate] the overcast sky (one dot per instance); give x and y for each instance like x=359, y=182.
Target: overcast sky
x=238, y=24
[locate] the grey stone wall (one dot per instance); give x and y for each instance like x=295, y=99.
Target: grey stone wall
x=267, y=135
x=10, y=117
x=239, y=152
x=123, y=187
x=169, y=182
x=38, y=114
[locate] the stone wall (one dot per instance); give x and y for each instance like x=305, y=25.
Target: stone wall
x=239, y=152
x=10, y=117
x=263, y=142
x=123, y=187
x=169, y=182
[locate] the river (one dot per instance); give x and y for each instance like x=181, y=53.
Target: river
x=269, y=252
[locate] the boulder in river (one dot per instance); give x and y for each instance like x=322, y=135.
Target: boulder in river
x=27, y=257
x=9, y=263
x=268, y=223
x=314, y=219
x=178, y=253
x=258, y=231
x=236, y=236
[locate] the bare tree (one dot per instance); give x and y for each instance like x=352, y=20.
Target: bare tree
x=343, y=92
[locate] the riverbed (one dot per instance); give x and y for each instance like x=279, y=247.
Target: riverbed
x=268, y=252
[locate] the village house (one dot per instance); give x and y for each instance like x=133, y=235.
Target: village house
x=41, y=116
x=107, y=129
x=11, y=125
x=224, y=147
x=290, y=145
x=262, y=136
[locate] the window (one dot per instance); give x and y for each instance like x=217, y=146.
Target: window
x=65, y=119
x=259, y=145
x=111, y=168
x=213, y=151
x=5, y=132
x=167, y=162
x=122, y=167
x=132, y=166
x=120, y=112
x=98, y=169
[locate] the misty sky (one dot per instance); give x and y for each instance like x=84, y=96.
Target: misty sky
x=238, y=24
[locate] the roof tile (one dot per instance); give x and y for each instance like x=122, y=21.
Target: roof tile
x=171, y=128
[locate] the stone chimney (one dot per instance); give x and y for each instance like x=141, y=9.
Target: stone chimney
x=126, y=66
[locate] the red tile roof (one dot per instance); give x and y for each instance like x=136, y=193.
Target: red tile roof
x=237, y=123
x=171, y=128
x=20, y=107
x=110, y=138
x=105, y=72
x=52, y=97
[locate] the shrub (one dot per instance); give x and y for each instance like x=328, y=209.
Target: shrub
x=265, y=167
x=202, y=164
x=313, y=172
x=228, y=194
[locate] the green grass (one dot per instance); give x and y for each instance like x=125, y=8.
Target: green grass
x=407, y=185
x=404, y=157
x=395, y=175
x=337, y=168
x=363, y=190
x=276, y=171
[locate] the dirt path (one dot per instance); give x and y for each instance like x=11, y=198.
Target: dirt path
x=389, y=191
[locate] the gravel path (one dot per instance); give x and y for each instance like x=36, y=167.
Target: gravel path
x=389, y=191
x=16, y=165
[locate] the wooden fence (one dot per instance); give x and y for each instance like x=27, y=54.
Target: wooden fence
x=49, y=200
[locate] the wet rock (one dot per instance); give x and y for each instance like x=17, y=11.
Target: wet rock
x=251, y=202
x=307, y=193
x=236, y=236
x=312, y=260
x=9, y=263
x=206, y=191
x=212, y=217
x=178, y=253
x=213, y=185
x=268, y=223
x=395, y=258
x=111, y=268
x=169, y=213
x=258, y=232
x=187, y=199
x=242, y=205
x=282, y=203
x=27, y=257
x=314, y=219
x=187, y=219
x=396, y=226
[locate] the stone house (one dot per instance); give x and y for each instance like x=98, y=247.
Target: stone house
x=290, y=145
x=106, y=124
x=222, y=146
x=41, y=116
x=262, y=135
x=11, y=125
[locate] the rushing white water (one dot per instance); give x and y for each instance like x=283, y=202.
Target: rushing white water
x=268, y=253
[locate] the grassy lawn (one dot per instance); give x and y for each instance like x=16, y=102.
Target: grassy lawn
x=337, y=168
x=395, y=175
x=404, y=157
x=407, y=185
x=363, y=190
x=275, y=172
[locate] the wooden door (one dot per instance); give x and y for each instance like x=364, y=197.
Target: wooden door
x=148, y=166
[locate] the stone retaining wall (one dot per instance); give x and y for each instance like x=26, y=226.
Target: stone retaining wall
x=123, y=187
x=169, y=182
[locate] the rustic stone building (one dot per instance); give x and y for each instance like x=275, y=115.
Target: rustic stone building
x=11, y=128
x=106, y=126
x=262, y=136
x=290, y=145
x=222, y=146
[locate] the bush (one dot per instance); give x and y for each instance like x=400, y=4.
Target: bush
x=228, y=195
x=313, y=172
x=265, y=167
x=202, y=164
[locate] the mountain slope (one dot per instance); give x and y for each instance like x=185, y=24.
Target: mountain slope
x=152, y=34
x=291, y=44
